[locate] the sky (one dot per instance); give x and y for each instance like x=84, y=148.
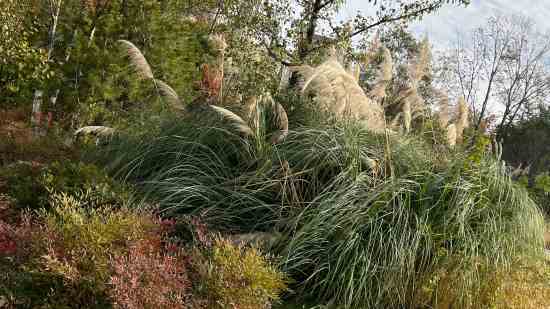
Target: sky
x=442, y=27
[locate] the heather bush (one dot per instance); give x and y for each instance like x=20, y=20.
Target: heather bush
x=79, y=239
x=150, y=276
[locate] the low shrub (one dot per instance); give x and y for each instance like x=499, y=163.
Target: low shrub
x=82, y=238
x=238, y=277
x=149, y=276
x=31, y=183
x=526, y=285
x=69, y=264
x=19, y=144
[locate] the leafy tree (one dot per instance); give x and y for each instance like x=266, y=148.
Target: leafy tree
x=95, y=80
x=22, y=65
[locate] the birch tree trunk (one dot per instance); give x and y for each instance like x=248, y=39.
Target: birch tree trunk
x=54, y=7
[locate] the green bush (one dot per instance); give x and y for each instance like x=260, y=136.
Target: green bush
x=69, y=263
x=31, y=184
x=237, y=277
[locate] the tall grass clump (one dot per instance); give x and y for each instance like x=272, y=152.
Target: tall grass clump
x=206, y=170
x=368, y=220
x=364, y=246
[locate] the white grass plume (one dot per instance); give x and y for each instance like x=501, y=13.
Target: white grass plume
x=95, y=131
x=338, y=92
x=451, y=135
x=443, y=116
x=138, y=61
x=420, y=64
x=170, y=95
x=281, y=121
x=237, y=122
x=407, y=116
x=383, y=76
x=462, y=118
x=277, y=114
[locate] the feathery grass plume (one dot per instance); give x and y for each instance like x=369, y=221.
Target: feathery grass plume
x=263, y=114
x=337, y=91
x=253, y=113
x=383, y=76
x=462, y=118
x=420, y=64
x=415, y=101
x=95, y=130
x=443, y=113
x=218, y=42
x=280, y=119
x=170, y=95
x=237, y=122
x=138, y=61
x=395, y=123
x=451, y=135
x=407, y=116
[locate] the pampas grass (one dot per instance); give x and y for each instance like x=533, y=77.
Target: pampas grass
x=407, y=116
x=451, y=135
x=95, y=130
x=280, y=121
x=170, y=95
x=443, y=113
x=462, y=118
x=338, y=92
x=383, y=76
x=237, y=122
x=138, y=61
x=420, y=65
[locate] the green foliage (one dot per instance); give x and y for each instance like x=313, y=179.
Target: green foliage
x=23, y=67
x=366, y=218
x=542, y=182
x=356, y=236
x=477, y=152
x=31, y=184
x=84, y=237
x=239, y=277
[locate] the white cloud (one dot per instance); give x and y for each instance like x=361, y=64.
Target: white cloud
x=443, y=25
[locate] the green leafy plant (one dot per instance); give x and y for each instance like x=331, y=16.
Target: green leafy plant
x=238, y=277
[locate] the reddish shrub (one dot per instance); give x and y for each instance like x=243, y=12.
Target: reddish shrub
x=16, y=240
x=147, y=277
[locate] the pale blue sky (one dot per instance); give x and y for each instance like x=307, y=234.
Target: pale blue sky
x=443, y=25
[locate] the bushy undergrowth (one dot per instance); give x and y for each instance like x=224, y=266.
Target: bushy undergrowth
x=31, y=183
x=150, y=277
x=367, y=220
x=80, y=254
x=238, y=277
